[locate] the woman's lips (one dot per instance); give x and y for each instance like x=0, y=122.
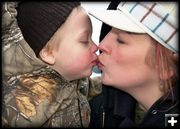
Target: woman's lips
x=100, y=65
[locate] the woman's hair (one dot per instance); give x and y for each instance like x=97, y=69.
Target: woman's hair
x=166, y=63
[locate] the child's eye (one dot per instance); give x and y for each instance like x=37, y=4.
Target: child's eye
x=84, y=39
x=85, y=42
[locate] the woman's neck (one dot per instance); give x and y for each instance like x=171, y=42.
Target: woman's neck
x=146, y=95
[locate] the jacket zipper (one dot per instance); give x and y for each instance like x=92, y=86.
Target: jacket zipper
x=103, y=119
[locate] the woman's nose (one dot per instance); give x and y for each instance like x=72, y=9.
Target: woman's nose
x=104, y=47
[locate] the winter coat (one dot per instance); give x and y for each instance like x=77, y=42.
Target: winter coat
x=119, y=111
x=33, y=94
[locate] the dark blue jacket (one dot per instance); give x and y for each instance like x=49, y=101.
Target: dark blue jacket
x=119, y=109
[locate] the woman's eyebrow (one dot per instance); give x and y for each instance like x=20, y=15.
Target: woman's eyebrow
x=129, y=34
x=122, y=34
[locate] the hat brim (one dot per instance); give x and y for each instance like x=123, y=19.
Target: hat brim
x=117, y=19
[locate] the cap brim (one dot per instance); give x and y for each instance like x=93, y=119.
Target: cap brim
x=116, y=19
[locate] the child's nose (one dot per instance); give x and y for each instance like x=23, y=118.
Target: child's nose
x=94, y=48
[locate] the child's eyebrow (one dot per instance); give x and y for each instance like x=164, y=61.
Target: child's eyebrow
x=85, y=31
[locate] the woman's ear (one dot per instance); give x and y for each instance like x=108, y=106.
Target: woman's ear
x=175, y=55
x=47, y=56
x=166, y=74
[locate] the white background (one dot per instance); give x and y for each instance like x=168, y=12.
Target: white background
x=95, y=23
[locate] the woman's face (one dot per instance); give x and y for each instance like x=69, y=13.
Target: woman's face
x=75, y=51
x=122, y=60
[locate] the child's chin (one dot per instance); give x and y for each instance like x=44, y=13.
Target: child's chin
x=88, y=73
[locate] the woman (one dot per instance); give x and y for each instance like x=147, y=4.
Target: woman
x=140, y=56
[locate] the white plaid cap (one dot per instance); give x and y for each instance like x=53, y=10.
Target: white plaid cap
x=144, y=17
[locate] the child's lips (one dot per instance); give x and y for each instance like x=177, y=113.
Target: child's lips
x=94, y=62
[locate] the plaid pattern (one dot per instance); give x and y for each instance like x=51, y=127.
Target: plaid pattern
x=152, y=18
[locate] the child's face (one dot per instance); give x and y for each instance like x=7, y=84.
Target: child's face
x=74, y=51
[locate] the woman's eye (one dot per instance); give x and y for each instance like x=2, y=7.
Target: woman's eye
x=120, y=41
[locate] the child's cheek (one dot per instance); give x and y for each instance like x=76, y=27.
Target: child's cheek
x=83, y=62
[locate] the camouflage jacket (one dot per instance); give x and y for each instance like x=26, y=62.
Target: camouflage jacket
x=35, y=95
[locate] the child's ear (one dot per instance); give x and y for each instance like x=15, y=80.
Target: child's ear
x=47, y=56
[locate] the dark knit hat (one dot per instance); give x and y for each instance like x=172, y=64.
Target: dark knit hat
x=38, y=21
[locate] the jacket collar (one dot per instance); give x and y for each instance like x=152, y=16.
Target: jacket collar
x=120, y=103
x=167, y=101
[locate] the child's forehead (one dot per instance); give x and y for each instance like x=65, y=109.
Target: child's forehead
x=78, y=11
x=79, y=17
